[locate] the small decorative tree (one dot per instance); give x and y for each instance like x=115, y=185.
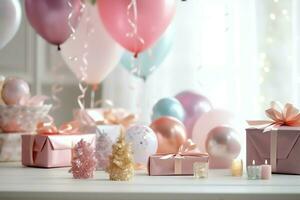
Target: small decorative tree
x=121, y=164
x=103, y=150
x=83, y=160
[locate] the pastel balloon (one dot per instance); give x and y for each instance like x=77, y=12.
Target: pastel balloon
x=152, y=19
x=53, y=19
x=148, y=61
x=10, y=20
x=14, y=89
x=194, y=105
x=222, y=142
x=102, y=52
x=143, y=142
x=168, y=107
x=207, y=122
x=170, y=134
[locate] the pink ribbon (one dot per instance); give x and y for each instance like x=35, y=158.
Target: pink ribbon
x=111, y=116
x=188, y=148
x=49, y=128
x=280, y=115
x=37, y=100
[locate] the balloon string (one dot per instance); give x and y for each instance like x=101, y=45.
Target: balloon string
x=83, y=68
x=56, y=87
x=133, y=6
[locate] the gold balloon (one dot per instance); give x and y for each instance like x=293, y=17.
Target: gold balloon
x=170, y=132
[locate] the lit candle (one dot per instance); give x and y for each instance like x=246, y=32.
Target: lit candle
x=200, y=169
x=254, y=171
x=237, y=167
x=266, y=171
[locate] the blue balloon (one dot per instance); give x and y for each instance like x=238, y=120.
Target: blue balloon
x=168, y=107
x=148, y=61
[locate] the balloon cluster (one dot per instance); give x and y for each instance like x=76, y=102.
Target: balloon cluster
x=191, y=115
x=134, y=26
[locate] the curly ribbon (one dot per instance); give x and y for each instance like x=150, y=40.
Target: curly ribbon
x=56, y=87
x=287, y=115
x=132, y=8
x=81, y=85
x=133, y=23
x=188, y=148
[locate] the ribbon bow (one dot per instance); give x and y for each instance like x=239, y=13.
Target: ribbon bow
x=280, y=115
x=49, y=128
x=118, y=116
x=186, y=148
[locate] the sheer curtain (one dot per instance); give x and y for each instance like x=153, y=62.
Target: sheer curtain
x=241, y=54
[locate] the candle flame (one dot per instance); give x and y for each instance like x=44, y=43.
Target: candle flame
x=253, y=162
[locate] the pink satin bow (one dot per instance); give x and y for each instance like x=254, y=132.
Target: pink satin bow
x=37, y=100
x=111, y=116
x=280, y=115
x=49, y=128
x=187, y=148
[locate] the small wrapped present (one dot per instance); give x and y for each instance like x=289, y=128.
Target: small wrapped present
x=106, y=136
x=276, y=141
x=180, y=163
x=10, y=147
x=52, y=147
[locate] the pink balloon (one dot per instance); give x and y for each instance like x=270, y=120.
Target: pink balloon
x=50, y=18
x=195, y=105
x=152, y=20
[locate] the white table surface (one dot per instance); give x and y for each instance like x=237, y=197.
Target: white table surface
x=17, y=182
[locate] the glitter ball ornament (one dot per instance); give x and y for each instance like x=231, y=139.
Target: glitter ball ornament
x=14, y=89
x=143, y=142
x=83, y=160
x=103, y=150
x=121, y=164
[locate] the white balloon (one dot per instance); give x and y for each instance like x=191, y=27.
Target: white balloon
x=143, y=141
x=91, y=41
x=10, y=20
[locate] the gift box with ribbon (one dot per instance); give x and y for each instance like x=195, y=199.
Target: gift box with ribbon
x=276, y=140
x=51, y=146
x=180, y=163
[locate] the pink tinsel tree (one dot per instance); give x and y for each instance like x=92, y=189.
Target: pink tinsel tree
x=103, y=150
x=83, y=160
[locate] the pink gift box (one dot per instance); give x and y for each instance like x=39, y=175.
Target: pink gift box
x=280, y=147
x=50, y=150
x=164, y=165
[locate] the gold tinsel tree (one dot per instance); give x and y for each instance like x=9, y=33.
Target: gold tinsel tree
x=121, y=164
